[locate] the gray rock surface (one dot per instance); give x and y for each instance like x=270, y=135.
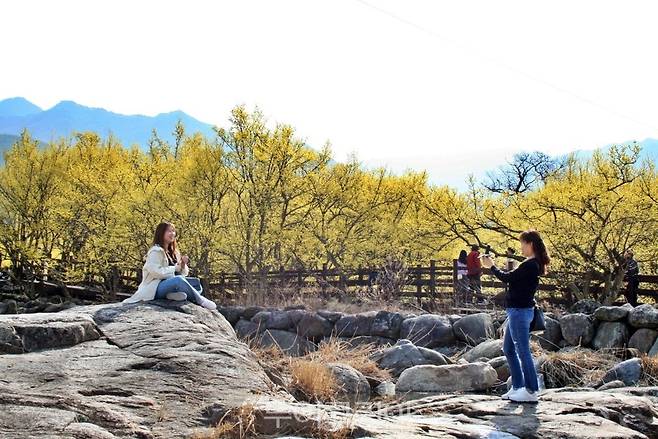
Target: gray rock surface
x=353, y=386
x=577, y=329
x=644, y=316
x=643, y=339
x=474, y=329
x=611, y=335
x=488, y=349
x=613, y=313
x=152, y=370
x=449, y=378
x=405, y=355
x=428, y=330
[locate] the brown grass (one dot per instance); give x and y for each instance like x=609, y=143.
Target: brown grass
x=649, y=371
x=576, y=368
x=334, y=350
x=312, y=380
x=238, y=423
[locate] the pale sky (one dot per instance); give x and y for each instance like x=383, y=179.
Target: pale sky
x=451, y=87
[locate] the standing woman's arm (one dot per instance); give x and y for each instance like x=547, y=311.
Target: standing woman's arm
x=522, y=271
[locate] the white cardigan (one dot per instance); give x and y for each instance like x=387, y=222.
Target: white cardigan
x=156, y=268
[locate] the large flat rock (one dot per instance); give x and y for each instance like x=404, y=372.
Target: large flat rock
x=143, y=370
x=575, y=415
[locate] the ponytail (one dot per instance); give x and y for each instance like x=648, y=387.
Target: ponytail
x=541, y=253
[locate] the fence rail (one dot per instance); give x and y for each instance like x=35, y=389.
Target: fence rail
x=434, y=281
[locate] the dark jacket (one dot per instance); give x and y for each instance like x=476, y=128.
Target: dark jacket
x=632, y=269
x=522, y=281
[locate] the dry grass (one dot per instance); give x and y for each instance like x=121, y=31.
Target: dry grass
x=576, y=368
x=649, y=371
x=235, y=424
x=312, y=381
x=334, y=350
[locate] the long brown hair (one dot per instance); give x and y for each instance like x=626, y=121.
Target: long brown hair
x=541, y=253
x=158, y=239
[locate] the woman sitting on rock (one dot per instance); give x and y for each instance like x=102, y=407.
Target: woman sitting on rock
x=165, y=271
x=519, y=303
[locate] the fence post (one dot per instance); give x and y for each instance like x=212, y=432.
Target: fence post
x=343, y=280
x=455, y=279
x=300, y=279
x=282, y=277
x=324, y=278
x=222, y=284
x=433, y=278
x=114, y=280
x=419, y=287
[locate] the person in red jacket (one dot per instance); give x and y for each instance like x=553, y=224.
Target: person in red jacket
x=474, y=270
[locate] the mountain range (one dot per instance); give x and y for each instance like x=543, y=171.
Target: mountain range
x=67, y=117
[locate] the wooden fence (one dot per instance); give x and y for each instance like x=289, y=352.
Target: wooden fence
x=435, y=281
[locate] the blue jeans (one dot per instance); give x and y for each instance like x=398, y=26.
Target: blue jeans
x=188, y=285
x=516, y=347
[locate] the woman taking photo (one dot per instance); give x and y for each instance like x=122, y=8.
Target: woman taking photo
x=519, y=303
x=164, y=275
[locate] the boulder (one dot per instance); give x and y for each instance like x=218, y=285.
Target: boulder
x=611, y=335
x=551, y=337
x=501, y=367
x=577, y=329
x=247, y=329
x=653, y=352
x=474, y=329
x=405, y=355
x=355, y=324
x=353, y=386
x=385, y=389
x=332, y=316
x=449, y=378
x=289, y=342
x=428, y=330
x=643, y=339
x=628, y=371
x=231, y=313
x=585, y=306
x=613, y=313
x=314, y=326
x=251, y=311
x=644, y=316
x=488, y=349
x=273, y=319
x=386, y=324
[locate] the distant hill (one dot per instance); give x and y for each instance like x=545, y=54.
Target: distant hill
x=67, y=117
x=649, y=150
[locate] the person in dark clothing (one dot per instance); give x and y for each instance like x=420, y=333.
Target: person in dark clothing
x=631, y=277
x=474, y=270
x=519, y=303
x=462, y=293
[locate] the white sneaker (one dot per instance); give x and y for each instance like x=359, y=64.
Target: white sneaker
x=522, y=395
x=178, y=296
x=208, y=304
x=509, y=392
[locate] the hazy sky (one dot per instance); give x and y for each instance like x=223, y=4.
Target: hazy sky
x=451, y=87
